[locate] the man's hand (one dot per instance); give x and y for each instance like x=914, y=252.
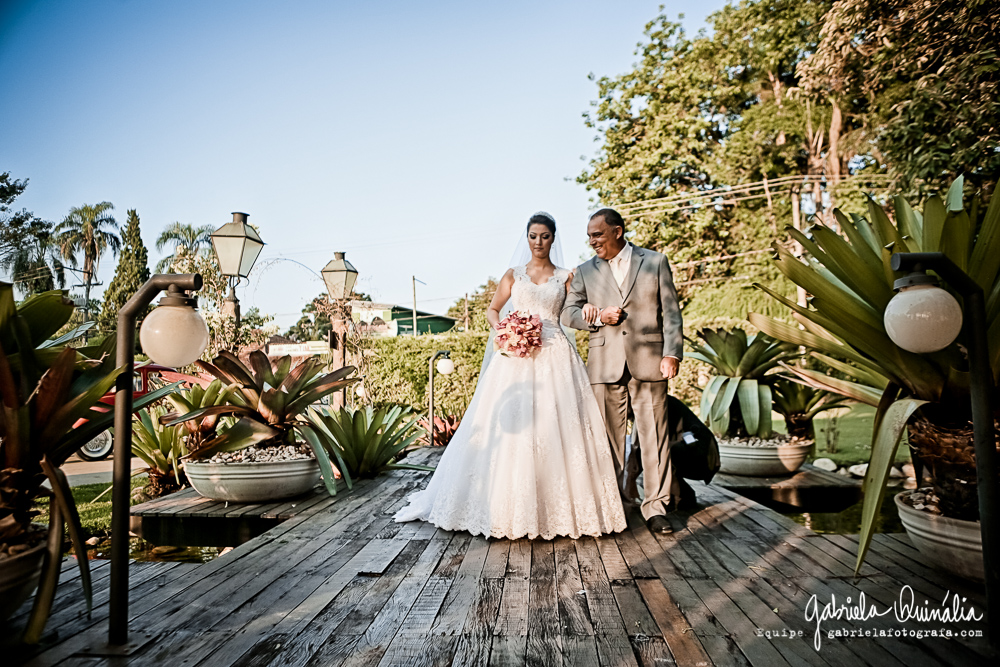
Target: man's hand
x=591, y=313
x=611, y=315
x=669, y=367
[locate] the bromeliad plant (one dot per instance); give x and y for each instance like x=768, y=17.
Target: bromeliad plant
x=365, y=441
x=444, y=429
x=851, y=282
x=268, y=400
x=799, y=404
x=161, y=448
x=737, y=400
x=46, y=387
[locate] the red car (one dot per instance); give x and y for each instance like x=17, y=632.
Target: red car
x=100, y=447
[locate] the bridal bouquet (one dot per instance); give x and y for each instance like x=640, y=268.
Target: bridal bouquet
x=519, y=334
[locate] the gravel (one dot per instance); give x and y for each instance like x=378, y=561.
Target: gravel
x=776, y=440
x=263, y=455
x=923, y=499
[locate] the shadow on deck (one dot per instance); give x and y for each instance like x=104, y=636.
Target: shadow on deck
x=340, y=583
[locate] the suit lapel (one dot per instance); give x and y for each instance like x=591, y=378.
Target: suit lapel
x=633, y=271
x=604, y=269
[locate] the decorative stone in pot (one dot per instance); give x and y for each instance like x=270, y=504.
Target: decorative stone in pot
x=255, y=475
x=19, y=577
x=952, y=545
x=757, y=457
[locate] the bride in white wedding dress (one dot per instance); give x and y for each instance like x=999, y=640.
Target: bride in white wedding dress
x=531, y=456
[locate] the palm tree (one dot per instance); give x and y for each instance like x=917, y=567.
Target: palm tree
x=35, y=265
x=175, y=235
x=88, y=231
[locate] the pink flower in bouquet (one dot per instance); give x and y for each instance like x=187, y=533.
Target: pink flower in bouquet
x=519, y=334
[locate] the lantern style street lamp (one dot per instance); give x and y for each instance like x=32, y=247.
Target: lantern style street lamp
x=237, y=246
x=922, y=317
x=445, y=366
x=340, y=277
x=173, y=334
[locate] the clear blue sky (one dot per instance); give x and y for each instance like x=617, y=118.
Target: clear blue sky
x=416, y=136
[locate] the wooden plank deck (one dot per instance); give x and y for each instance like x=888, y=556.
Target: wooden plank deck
x=341, y=584
x=810, y=489
x=187, y=519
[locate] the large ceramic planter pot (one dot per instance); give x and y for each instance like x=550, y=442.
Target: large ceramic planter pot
x=949, y=544
x=253, y=482
x=765, y=461
x=18, y=579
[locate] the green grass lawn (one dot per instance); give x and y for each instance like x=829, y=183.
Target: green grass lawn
x=94, y=516
x=844, y=435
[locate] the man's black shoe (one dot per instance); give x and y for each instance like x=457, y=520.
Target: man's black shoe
x=659, y=524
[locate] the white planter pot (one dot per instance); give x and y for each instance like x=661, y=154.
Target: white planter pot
x=953, y=545
x=19, y=578
x=253, y=482
x=762, y=461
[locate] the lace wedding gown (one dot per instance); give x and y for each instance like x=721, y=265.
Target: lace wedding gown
x=531, y=456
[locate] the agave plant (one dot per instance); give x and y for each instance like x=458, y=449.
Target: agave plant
x=161, y=448
x=444, y=429
x=851, y=282
x=269, y=402
x=46, y=387
x=197, y=431
x=799, y=404
x=737, y=400
x=365, y=441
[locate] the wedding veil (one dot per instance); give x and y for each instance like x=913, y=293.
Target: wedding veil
x=521, y=256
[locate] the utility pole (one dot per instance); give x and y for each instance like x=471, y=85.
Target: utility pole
x=415, y=281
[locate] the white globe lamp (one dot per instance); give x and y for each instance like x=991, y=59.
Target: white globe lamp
x=174, y=334
x=445, y=366
x=922, y=317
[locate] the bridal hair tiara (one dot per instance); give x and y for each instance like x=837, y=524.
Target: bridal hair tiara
x=544, y=215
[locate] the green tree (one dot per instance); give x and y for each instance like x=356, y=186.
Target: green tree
x=698, y=117
x=86, y=233
x=925, y=80
x=132, y=271
x=479, y=301
x=26, y=243
x=196, y=239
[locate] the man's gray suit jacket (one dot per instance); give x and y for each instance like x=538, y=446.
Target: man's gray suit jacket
x=652, y=328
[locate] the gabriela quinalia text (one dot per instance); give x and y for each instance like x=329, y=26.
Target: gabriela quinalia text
x=905, y=609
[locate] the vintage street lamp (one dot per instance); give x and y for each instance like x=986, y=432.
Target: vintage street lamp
x=340, y=277
x=445, y=366
x=173, y=334
x=237, y=246
x=921, y=318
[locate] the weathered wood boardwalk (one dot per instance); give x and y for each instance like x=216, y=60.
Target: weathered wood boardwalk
x=341, y=584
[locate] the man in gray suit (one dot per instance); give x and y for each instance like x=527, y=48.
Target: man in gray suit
x=625, y=297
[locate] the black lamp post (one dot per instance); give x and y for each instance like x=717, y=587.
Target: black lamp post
x=237, y=246
x=445, y=366
x=927, y=303
x=173, y=334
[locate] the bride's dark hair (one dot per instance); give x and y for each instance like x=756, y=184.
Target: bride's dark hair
x=541, y=219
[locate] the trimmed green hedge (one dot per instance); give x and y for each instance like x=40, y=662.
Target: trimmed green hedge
x=395, y=369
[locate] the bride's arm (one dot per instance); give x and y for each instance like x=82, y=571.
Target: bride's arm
x=500, y=298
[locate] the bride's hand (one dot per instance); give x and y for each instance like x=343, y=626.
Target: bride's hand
x=591, y=313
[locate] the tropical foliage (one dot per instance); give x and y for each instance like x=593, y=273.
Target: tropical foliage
x=366, y=441
x=85, y=234
x=161, y=448
x=27, y=249
x=444, y=429
x=130, y=274
x=196, y=240
x=738, y=400
x=799, y=403
x=851, y=282
x=46, y=387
